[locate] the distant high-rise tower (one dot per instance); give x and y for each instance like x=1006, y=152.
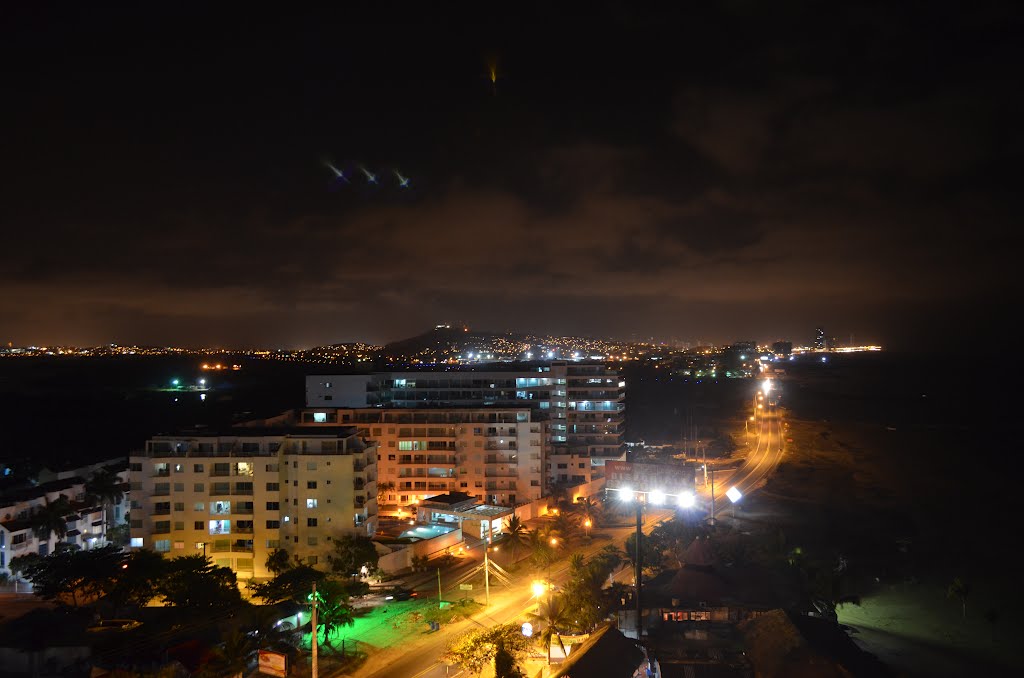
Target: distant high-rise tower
x=819, y=339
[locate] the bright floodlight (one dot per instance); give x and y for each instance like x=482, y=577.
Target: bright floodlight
x=734, y=494
x=626, y=494
x=657, y=497
x=767, y=386
x=686, y=500
x=538, y=588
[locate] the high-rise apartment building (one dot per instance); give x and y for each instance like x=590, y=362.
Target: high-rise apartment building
x=239, y=495
x=820, y=343
x=583, y=402
x=496, y=454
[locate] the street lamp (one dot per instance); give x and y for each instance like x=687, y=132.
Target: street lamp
x=201, y=545
x=734, y=496
x=586, y=524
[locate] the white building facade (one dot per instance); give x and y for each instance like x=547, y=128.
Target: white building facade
x=584, y=402
x=85, y=521
x=238, y=496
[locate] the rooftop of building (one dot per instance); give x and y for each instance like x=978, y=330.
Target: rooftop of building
x=606, y=653
x=450, y=499
x=260, y=430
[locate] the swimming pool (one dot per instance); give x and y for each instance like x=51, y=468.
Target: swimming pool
x=427, y=531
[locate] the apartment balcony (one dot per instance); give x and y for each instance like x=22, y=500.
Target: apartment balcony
x=238, y=547
x=161, y=473
x=437, y=486
x=242, y=530
x=160, y=512
x=161, y=493
x=242, y=511
x=19, y=547
x=488, y=473
x=241, y=492
x=443, y=459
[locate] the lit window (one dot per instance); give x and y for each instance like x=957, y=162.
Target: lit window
x=136, y=542
x=220, y=527
x=320, y=417
x=310, y=503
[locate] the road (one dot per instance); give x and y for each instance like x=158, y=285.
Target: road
x=420, y=657
x=763, y=458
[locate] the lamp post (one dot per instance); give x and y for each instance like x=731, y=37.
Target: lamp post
x=586, y=525
x=639, y=571
x=315, y=668
x=734, y=496
x=712, y=522
x=202, y=545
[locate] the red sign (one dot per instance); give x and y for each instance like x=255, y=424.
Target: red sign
x=273, y=664
x=643, y=477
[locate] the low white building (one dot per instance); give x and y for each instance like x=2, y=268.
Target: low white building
x=84, y=521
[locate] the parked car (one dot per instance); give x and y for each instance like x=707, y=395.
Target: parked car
x=401, y=594
x=115, y=625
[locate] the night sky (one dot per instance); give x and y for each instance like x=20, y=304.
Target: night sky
x=748, y=171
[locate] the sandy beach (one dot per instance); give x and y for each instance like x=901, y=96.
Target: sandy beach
x=893, y=502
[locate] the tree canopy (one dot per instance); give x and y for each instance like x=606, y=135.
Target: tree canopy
x=502, y=645
x=194, y=581
x=352, y=553
x=72, y=576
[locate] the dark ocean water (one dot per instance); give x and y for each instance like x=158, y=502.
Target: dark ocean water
x=71, y=410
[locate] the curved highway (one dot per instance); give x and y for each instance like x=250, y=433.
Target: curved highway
x=762, y=459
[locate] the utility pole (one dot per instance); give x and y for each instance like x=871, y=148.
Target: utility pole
x=712, y=496
x=487, y=566
x=316, y=634
x=639, y=571
x=439, y=588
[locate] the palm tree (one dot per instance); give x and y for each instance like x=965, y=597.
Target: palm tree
x=544, y=541
x=552, y=614
x=588, y=509
x=279, y=561
x=333, y=609
x=517, y=534
x=383, y=489
x=51, y=519
x=104, y=487
x=231, y=658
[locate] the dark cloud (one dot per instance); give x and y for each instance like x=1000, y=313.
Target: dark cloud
x=730, y=171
